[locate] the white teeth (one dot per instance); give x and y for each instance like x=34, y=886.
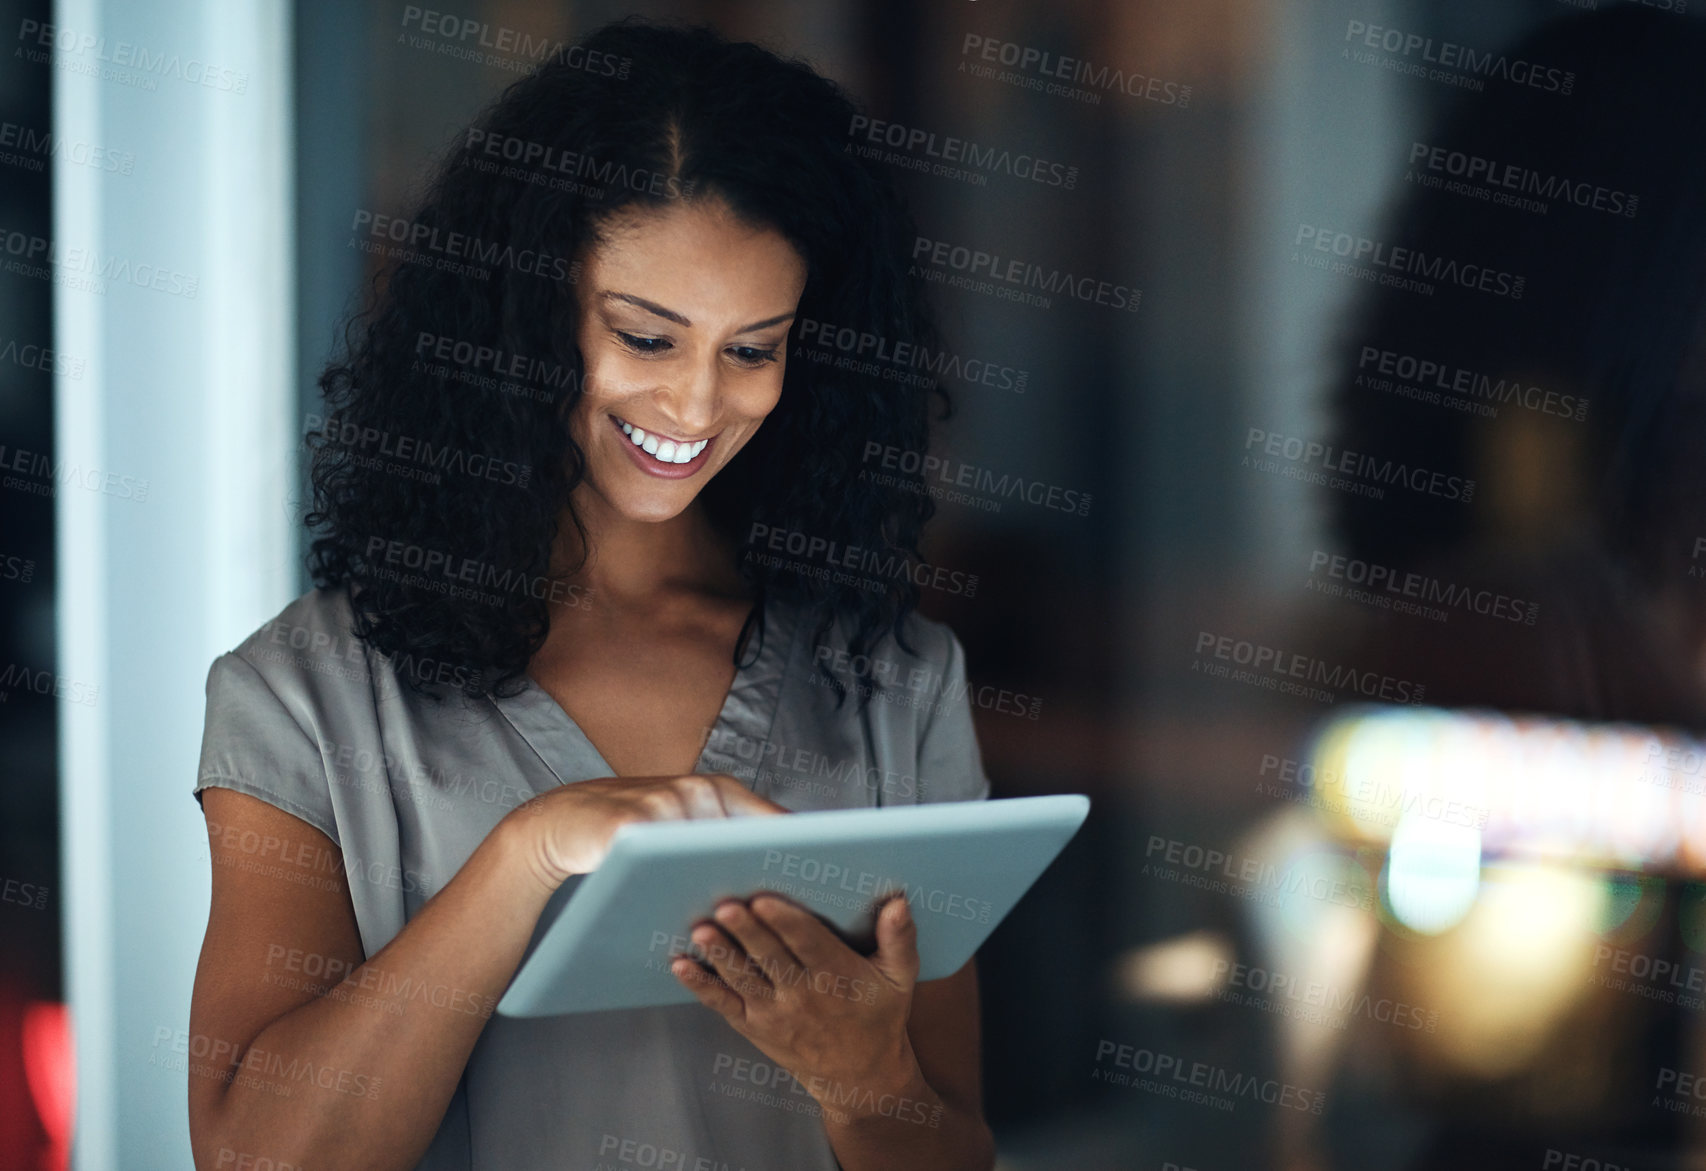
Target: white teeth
x=667, y=451
x=681, y=453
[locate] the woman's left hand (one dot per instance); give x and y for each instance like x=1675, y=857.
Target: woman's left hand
x=833, y=1018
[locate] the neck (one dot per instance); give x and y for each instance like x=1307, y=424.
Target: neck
x=639, y=564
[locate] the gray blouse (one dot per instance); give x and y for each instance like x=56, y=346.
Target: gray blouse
x=305, y=717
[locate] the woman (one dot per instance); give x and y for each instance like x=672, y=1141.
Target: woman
x=551, y=591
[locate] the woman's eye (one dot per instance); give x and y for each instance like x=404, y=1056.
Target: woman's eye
x=643, y=345
x=753, y=355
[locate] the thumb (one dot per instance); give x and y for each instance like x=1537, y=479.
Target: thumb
x=896, y=956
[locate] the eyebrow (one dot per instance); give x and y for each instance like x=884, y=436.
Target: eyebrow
x=672, y=315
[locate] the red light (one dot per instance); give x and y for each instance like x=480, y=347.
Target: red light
x=50, y=1069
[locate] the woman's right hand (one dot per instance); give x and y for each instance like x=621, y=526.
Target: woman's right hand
x=568, y=829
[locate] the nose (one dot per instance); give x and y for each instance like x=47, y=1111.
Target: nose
x=693, y=400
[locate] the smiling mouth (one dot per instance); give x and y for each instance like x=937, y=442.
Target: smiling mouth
x=664, y=451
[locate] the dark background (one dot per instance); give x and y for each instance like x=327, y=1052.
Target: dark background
x=1197, y=203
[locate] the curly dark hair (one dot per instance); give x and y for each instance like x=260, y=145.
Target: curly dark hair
x=460, y=359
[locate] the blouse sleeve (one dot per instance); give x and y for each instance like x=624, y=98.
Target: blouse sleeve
x=252, y=743
x=950, y=765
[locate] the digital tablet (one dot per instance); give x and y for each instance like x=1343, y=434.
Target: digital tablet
x=605, y=940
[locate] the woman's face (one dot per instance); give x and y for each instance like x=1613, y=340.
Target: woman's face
x=683, y=321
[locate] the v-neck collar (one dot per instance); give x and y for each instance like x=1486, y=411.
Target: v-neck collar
x=748, y=711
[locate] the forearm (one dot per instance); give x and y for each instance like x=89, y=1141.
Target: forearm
x=903, y=1128
x=360, y=1076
